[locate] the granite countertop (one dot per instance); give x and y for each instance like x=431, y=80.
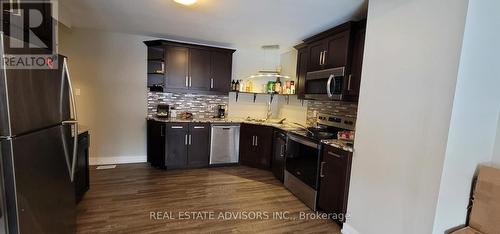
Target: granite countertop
x=285, y=127
x=338, y=144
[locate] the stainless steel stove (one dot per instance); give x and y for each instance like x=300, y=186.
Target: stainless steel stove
x=303, y=153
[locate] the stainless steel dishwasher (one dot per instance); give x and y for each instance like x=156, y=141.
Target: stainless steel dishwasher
x=225, y=144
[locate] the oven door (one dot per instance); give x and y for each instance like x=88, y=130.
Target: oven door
x=325, y=84
x=302, y=159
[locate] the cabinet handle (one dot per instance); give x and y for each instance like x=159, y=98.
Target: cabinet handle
x=282, y=150
x=190, y=81
x=321, y=170
x=199, y=127
x=186, y=140
x=211, y=83
x=189, y=139
x=187, y=81
x=256, y=141
x=177, y=127
x=334, y=154
x=162, y=131
x=321, y=58
x=349, y=83
x=324, y=57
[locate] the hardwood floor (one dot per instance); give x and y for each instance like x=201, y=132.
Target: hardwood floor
x=121, y=201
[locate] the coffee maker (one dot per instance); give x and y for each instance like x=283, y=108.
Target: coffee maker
x=162, y=111
x=221, y=112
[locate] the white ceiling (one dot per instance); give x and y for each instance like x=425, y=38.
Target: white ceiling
x=230, y=23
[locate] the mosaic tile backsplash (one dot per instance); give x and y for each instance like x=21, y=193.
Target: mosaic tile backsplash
x=341, y=109
x=202, y=106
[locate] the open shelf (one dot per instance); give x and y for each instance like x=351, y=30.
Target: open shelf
x=255, y=95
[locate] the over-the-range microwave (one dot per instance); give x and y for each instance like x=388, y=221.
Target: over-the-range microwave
x=325, y=84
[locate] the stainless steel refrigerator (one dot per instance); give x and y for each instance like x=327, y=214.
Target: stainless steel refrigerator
x=38, y=146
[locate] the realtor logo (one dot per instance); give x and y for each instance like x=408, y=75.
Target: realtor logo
x=28, y=24
x=28, y=33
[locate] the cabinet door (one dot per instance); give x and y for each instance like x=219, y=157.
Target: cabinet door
x=82, y=167
x=156, y=143
x=278, y=162
x=263, y=146
x=199, y=145
x=337, y=50
x=220, y=79
x=334, y=181
x=302, y=59
x=316, y=56
x=199, y=69
x=176, y=62
x=177, y=145
x=354, y=79
x=247, y=148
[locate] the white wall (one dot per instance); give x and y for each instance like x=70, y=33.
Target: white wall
x=496, y=151
x=410, y=69
x=109, y=70
x=474, y=119
x=245, y=107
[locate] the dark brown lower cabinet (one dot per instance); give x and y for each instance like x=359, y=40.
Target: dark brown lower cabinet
x=256, y=145
x=156, y=143
x=335, y=170
x=82, y=182
x=176, y=145
x=278, y=161
x=198, y=145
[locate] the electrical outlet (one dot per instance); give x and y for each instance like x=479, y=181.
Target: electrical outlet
x=77, y=92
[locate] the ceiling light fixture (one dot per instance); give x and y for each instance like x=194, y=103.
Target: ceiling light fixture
x=186, y=2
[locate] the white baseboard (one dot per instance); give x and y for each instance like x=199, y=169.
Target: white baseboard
x=348, y=229
x=116, y=160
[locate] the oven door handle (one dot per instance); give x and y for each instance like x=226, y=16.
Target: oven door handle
x=328, y=84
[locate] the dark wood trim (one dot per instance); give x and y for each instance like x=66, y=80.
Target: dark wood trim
x=192, y=91
x=329, y=32
x=186, y=44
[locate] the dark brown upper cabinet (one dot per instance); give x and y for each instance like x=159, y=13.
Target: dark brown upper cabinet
x=176, y=68
x=337, y=51
x=220, y=79
x=189, y=68
x=199, y=69
x=302, y=59
x=342, y=46
x=331, y=48
x=316, y=55
x=353, y=81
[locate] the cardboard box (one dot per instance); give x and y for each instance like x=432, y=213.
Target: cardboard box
x=467, y=230
x=485, y=213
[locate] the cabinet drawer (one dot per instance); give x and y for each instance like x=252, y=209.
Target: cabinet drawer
x=177, y=126
x=330, y=151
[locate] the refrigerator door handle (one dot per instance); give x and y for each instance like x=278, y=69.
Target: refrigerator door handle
x=74, y=121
